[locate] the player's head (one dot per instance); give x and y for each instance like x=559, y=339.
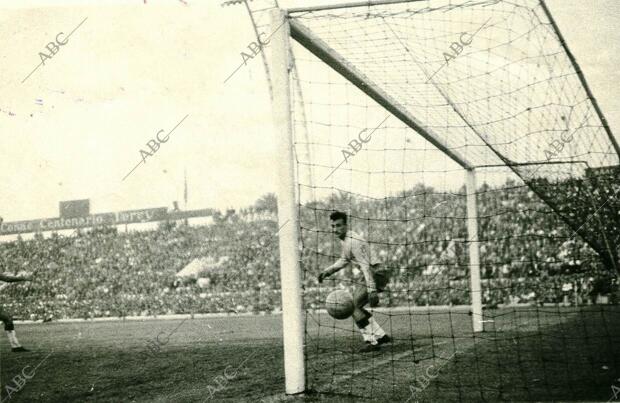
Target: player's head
x=339, y=223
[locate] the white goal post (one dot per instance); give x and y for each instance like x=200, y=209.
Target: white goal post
x=474, y=252
x=288, y=218
x=292, y=303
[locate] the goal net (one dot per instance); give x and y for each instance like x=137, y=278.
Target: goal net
x=462, y=141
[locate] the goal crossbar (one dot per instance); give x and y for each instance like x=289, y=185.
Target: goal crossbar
x=336, y=6
x=333, y=59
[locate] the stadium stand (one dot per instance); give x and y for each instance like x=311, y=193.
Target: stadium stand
x=530, y=258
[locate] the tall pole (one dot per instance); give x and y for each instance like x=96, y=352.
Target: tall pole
x=185, y=188
x=262, y=54
x=474, y=252
x=290, y=273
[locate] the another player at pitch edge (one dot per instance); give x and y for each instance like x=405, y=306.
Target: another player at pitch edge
x=356, y=250
x=6, y=318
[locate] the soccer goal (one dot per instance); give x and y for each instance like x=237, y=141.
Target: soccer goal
x=462, y=140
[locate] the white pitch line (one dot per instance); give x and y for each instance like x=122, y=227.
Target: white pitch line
x=380, y=363
x=385, y=310
x=281, y=398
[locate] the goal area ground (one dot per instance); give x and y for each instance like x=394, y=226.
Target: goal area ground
x=110, y=361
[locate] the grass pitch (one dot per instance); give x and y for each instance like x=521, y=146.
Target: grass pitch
x=527, y=354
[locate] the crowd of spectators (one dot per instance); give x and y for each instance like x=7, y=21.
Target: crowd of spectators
x=527, y=255
x=590, y=203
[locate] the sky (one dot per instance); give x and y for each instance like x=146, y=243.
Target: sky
x=75, y=127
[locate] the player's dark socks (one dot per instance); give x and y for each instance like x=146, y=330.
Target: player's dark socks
x=362, y=323
x=368, y=348
x=20, y=349
x=385, y=339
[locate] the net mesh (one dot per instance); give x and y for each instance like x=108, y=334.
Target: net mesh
x=492, y=87
x=493, y=82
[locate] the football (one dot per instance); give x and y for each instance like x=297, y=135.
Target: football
x=339, y=304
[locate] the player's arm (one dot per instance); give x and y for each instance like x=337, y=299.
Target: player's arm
x=14, y=279
x=338, y=265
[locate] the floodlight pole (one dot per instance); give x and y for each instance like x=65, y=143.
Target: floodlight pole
x=288, y=219
x=474, y=252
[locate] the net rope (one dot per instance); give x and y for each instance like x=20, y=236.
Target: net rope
x=546, y=216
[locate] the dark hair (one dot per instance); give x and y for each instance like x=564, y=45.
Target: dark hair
x=337, y=215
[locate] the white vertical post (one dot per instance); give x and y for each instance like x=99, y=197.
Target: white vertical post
x=290, y=273
x=474, y=252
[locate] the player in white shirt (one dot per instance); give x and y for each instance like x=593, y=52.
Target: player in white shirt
x=356, y=250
